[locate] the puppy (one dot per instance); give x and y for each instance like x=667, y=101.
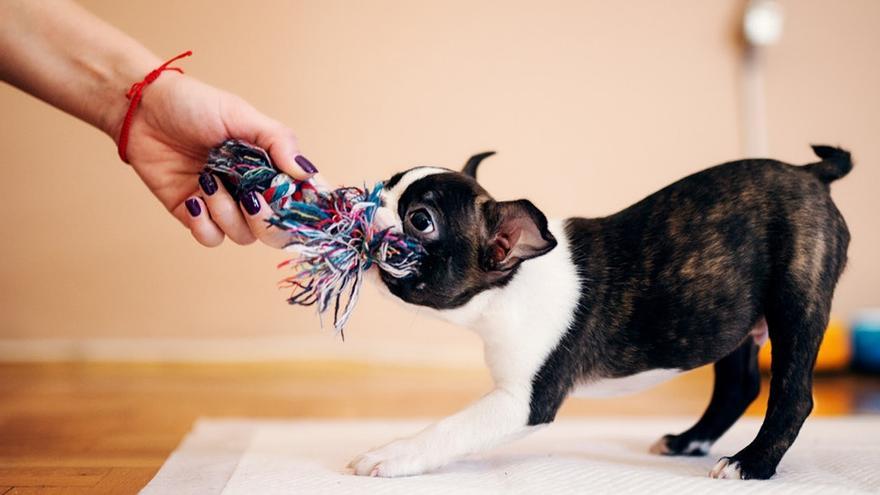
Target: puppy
x=702, y=271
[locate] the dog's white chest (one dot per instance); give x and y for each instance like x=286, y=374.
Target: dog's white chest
x=611, y=387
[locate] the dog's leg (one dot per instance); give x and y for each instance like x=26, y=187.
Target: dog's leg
x=796, y=324
x=737, y=383
x=498, y=416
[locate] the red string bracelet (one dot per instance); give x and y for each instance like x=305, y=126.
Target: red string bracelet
x=135, y=93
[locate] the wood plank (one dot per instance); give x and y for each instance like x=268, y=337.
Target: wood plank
x=124, y=481
x=51, y=490
x=119, y=481
x=51, y=476
x=75, y=460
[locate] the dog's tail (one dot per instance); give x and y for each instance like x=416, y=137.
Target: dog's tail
x=836, y=162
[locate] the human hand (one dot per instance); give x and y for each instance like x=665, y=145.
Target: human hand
x=180, y=119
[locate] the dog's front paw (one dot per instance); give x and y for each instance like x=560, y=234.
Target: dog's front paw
x=733, y=468
x=404, y=457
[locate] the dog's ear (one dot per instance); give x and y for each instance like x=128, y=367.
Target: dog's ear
x=516, y=231
x=470, y=168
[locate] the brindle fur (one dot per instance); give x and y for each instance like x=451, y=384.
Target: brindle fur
x=679, y=279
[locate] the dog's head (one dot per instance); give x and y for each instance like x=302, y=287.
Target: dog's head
x=473, y=242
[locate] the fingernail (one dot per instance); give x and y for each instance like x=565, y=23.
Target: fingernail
x=207, y=183
x=193, y=206
x=251, y=202
x=305, y=164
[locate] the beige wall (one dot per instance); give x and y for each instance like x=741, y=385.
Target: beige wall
x=590, y=104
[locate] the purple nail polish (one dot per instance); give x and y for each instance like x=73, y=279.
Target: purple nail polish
x=207, y=183
x=193, y=206
x=251, y=202
x=305, y=164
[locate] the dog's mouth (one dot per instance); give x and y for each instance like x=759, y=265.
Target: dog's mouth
x=404, y=252
x=396, y=280
x=393, y=285
x=403, y=261
x=407, y=289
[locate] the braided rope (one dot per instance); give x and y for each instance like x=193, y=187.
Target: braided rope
x=332, y=232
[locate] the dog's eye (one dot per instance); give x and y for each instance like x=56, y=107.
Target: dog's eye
x=421, y=220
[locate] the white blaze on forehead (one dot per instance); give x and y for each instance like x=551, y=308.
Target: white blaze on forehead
x=387, y=215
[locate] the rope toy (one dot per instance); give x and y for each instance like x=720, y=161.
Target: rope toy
x=332, y=232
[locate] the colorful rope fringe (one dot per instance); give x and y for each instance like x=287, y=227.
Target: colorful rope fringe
x=332, y=232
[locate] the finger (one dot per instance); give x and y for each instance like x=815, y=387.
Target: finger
x=257, y=213
x=206, y=232
x=281, y=144
x=224, y=210
x=279, y=141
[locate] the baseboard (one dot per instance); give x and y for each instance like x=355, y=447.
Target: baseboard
x=214, y=350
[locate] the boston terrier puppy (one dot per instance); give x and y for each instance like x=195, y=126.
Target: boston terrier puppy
x=702, y=271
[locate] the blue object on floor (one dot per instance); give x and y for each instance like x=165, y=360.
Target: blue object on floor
x=866, y=341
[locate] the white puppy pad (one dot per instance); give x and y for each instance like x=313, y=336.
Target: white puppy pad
x=233, y=457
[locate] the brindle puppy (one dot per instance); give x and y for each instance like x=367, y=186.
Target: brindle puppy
x=699, y=272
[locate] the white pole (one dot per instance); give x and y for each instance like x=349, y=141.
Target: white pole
x=762, y=26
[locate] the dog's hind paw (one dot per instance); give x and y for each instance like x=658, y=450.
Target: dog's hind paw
x=678, y=445
x=743, y=467
x=726, y=469
x=661, y=446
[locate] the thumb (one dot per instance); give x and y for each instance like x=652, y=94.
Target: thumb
x=248, y=124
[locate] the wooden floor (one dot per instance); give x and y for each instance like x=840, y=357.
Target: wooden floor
x=107, y=428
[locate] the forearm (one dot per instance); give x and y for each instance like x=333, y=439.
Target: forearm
x=497, y=417
x=59, y=52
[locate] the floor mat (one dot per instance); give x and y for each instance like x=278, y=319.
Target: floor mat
x=232, y=457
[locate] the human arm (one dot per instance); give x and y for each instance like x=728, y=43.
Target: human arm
x=59, y=52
